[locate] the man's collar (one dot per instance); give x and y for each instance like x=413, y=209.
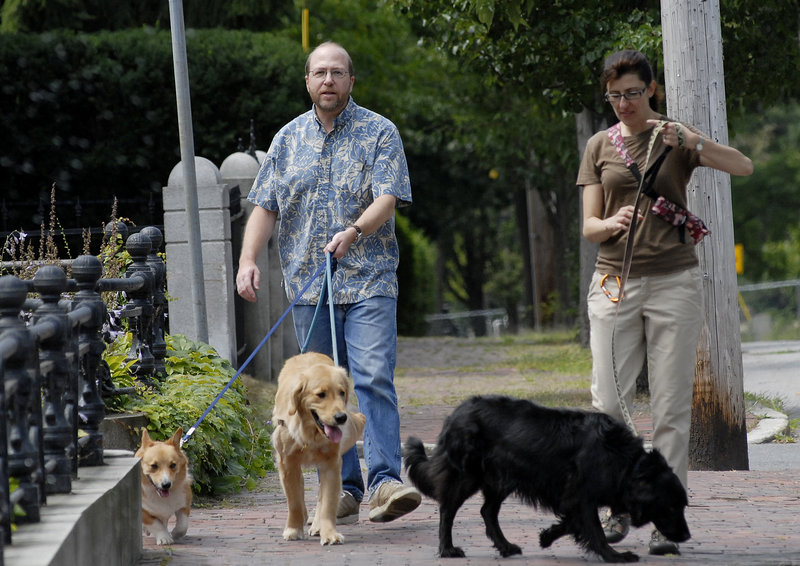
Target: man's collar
x=342, y=118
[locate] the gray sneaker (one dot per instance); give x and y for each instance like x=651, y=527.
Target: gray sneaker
x=661, y=545
x=615, y=527
x=346, y=510
x=391, y=500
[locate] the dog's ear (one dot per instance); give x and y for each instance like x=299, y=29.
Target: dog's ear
x=146, y=440
x=296, y=398
x=341, y=374
x=176, y=438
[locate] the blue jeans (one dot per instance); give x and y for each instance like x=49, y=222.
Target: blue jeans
x=366, y=345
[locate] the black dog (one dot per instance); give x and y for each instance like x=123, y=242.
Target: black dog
x=568, y=461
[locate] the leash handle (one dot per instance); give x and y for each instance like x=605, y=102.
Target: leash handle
x=325, y=292
x=330, y=309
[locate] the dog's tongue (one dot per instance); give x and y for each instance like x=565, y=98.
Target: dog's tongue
x=334, y=433
x=163, y=492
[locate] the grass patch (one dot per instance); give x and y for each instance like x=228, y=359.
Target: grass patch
x=776, y=403
x=549, y=368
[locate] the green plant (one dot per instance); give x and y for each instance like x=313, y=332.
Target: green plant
x=774, y=403
x=230, y=448
x=13, y=485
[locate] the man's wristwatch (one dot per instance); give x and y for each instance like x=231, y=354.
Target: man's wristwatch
x=699, y=146
x=357, y=228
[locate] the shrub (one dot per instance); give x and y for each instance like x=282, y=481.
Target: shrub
x=96, y=113
x=416, y=276
x=230, y=448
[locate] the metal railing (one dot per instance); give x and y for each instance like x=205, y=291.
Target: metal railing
x=53, y=374
x=770, y=310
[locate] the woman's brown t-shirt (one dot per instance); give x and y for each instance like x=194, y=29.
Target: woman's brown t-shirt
x=657, y=247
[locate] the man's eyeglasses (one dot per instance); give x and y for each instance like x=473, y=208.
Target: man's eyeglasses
x=337, y=74
x=613, y=97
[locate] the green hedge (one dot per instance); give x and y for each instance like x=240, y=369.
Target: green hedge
x=96, y=113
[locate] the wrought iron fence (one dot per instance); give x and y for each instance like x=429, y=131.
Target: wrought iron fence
x=53, y=374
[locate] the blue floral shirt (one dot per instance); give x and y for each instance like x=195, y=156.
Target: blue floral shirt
x=320, y=183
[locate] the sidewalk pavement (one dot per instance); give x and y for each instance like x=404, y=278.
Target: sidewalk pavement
x=736, y=518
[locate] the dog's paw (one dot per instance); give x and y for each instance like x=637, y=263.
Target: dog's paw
x=291, y=533
x=313, y=530
x=546, y=538
x=622, y=557
x=509, y=550
x=164, y=538
x=452, y=552
x=331, y=538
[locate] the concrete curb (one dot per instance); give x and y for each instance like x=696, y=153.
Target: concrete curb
x=771, y=424
x=99, y=522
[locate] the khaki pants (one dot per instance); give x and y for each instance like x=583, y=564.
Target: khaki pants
x=660, y=318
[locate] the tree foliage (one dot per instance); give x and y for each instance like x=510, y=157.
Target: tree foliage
x=547, y=49
x=765, y=203
x=36, y=16
x=555, y=49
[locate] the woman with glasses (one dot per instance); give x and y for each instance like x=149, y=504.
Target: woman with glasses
x=659, y=316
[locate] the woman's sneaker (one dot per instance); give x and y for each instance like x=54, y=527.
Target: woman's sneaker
x=615, y=527
x=661, y=545
x=391, y=500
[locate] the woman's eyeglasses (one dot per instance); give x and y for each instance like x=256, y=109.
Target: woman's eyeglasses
x=613, y=97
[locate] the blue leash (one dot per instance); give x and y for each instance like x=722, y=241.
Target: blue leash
x=322, y=298
x=327, y=265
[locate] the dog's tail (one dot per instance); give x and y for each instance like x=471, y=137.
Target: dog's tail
x=419, y=467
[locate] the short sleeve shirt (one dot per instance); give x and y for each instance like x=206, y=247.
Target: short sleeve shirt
x=657, y=247
x=320, y=183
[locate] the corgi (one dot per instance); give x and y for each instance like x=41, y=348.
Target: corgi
x=166, y=487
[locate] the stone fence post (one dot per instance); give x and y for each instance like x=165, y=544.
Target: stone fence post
x=258, y=318
x=215, y=232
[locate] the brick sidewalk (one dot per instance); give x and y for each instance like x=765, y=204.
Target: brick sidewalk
x=736, y=518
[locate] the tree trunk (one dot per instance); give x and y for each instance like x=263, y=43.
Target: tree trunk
x=695, y=88
x=541, y=240
x=531, y=305
x=585, y=126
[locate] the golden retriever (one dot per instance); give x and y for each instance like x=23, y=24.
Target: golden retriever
x=313, y=427
x=166, y=487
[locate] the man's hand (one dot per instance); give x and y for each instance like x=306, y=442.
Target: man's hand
x=248, y=281
x=341, y=242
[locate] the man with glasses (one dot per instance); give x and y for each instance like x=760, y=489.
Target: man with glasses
x=335, y=175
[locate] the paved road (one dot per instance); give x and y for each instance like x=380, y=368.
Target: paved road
x=737, y=518
x=773, y=369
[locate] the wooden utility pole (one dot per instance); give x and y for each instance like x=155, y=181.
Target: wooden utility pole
x=695, y=88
